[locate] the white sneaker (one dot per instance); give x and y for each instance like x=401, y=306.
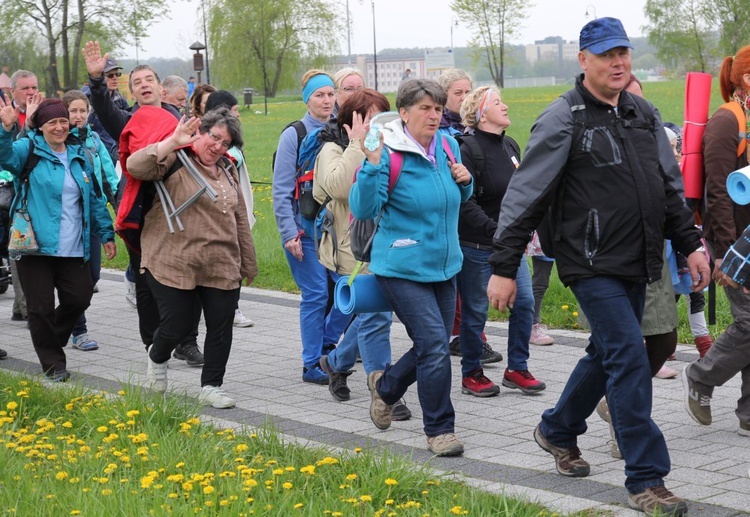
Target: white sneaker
x=241, y=321
x=665, y=372
x=215, y=397
x=539, y=336
x=130, y=293
x=156, y=373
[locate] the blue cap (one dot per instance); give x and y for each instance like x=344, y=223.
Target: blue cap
x=603, y=34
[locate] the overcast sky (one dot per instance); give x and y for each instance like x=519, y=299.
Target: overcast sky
x=405, y=23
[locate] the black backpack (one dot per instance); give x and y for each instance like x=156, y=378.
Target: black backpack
x=477, y=157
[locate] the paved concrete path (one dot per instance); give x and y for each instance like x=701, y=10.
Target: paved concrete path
x=709, y=464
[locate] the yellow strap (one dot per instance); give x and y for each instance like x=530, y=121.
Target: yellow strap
x=354, y=274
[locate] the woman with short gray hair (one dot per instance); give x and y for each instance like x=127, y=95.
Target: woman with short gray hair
x=415, y=253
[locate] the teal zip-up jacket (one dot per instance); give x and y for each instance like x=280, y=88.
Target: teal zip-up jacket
x=45, y=191
x=417, y=238
x=104, y=169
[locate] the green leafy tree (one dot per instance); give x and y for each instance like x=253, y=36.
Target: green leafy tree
x=494, y=22
x=63, y=26
x=734, y=16
x=272, y=41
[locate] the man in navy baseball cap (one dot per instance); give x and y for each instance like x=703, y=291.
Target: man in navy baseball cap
x=603, y=34
x=605, y=58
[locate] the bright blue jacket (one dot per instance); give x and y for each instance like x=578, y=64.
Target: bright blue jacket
x=417, y=238
x=104, y=169
x=45, y=191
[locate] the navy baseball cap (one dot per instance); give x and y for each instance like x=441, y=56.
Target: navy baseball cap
x=603, y=34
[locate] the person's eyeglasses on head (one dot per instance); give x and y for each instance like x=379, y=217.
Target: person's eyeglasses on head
x=217, y=140
x=112, y=75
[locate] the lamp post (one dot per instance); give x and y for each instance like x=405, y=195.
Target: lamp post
x=590, y=11
x=348, y=35
x=454, y=23
x=205, y=38
x=374, y=45
x=198, y=58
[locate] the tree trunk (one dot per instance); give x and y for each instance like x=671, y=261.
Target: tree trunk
x=64, y=44
x=78, y=43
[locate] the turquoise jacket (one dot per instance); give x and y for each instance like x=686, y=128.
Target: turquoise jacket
x=104, y=169
x=417, y=238
x=45, y=191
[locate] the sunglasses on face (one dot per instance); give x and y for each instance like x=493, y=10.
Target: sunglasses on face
x=113, y=75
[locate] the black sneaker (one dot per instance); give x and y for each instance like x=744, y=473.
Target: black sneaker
x=336, y=381
x=399, y=411
x=455, y=347
x=3, y=354
x=489, y=355
x=17, y=316
x=190, y=353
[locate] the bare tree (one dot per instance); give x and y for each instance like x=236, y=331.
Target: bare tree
x=495, y=22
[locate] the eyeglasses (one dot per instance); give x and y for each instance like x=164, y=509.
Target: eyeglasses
x=217, y=140
x=351, y=89
x=113, y=75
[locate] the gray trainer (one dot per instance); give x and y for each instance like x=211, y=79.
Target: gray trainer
x=568, y=461
x=380, y=412
x=657, y=499
x=697, y=400
x=445, y=445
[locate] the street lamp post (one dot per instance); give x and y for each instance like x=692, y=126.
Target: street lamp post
x=348, y=35
x=590, y=11
x=205, y=38
x=454, y=23
x=198, y=58
x=374, y=45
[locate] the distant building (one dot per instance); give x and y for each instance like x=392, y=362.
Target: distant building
x=552, y=48
x=391, y=68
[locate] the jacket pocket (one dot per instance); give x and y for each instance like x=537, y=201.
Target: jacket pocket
x=591, y=236
x=601, y=146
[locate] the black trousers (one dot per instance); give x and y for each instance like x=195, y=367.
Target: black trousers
x=51, y=326
x=148, y=309
x=177, y=309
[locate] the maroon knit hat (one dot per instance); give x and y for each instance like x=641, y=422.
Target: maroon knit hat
x=49, y=109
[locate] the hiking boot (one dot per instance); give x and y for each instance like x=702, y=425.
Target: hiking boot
x=489, y=355
x=380, y=412
x=478, y=385
x=156, y=374
x=399, y=411
x=602, y=409
x=522, y=380
x=697, y=401
x=455, y=347
x=657, y=499
x=84, y=342
x=3, y=354
x=665, y=372
x=215, y=397
x=190, y=353
x=314, y=374
x=703, y=343
x=336, y=381
x=241, y=321
x=539, y=335
x=568, y=461
x=446, y=444
x=744, y=429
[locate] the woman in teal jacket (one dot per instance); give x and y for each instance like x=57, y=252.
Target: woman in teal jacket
x=104, y=170
x=416, y=254
x=62, y=197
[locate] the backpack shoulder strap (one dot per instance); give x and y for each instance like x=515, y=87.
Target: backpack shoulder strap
x=741, y=125
x=447, y=148
x=301, y=130
x=578, y=108
x=31, y=162
x=395, y=166
x=475, y=151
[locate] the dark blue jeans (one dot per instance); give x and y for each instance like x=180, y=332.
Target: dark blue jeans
x=472, y=286
x=426, y=310
x=616, y=364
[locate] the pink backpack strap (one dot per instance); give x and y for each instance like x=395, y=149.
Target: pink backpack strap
x=448, y=150
x=396, y=164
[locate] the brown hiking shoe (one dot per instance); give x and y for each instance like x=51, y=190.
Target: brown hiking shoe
x=657, y=499
x=568, y=461
x=380, y=412
x=445, y=445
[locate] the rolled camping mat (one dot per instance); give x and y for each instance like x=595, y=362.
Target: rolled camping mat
x=697, y=100
x=362, y=296
x=738, y=186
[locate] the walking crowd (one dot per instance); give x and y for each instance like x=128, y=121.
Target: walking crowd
x=433, y=207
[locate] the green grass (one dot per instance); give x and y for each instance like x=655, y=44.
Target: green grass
x=71, y=451
x=262, y=131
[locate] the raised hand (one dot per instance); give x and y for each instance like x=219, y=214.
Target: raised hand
x=359, y=127
x=186, y=131
x=8, y=114
x=32, y=104
x=95, y=62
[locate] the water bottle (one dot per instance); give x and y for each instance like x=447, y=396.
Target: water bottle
x=372, y=139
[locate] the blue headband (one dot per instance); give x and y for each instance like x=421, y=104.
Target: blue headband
x=316, y=82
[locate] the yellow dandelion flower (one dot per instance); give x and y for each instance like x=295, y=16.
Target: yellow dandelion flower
x=287, y=486
x=121, y=392
x=187, y=486
x=75, y=512
x=456, y=510
x=106, y=491
x=180, y=465
x=67, y=425
x=298, y=506
x=309, y=469
x=102, y=429
x=223, y=502
x=132, y=413
x=391, y=482
x=209, y=503
x=351, y=477
x=241, y=447
x=11, y=405
x=564, y=307
x=278, y=472
x=365, y=498
x=61, y=476
x=389, y=502
x=173, y=496
x=575, y=313
x=208, y=489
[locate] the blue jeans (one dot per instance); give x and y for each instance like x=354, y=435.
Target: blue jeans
x=616, y=364
x=472, y=286
x=317, y=327
x=369, y=334
x=426, y=310
x=95, y=267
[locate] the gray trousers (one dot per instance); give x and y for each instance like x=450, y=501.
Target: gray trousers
x=19, y=300
x=730, y=354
